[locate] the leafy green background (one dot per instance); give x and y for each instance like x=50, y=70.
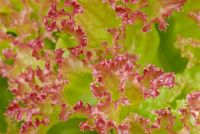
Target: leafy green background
x=155, y=47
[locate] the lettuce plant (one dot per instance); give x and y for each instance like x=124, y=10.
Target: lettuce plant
x=100, y=66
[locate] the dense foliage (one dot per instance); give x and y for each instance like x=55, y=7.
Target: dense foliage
x=100, y=66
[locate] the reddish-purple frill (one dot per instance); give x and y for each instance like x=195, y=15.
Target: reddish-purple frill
x=30, y=97
x=109, y=87
x=194, y=101
x=129, y=16
x=153, y=78
x=61, y=20
x=110, y=74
